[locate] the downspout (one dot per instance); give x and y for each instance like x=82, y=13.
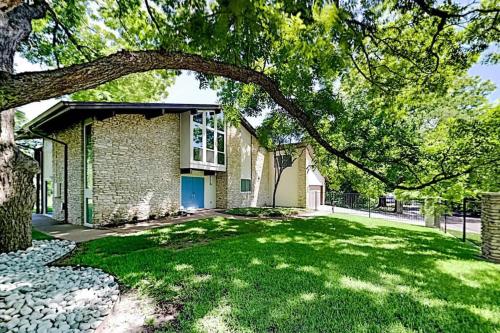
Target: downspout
x=65, y=204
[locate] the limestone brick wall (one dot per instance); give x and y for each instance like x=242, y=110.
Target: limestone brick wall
x=221, y=189
x=136, y=168
x=490, y=225
x=228, y=183
x=73, y=136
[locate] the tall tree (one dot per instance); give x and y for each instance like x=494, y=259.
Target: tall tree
x=16, y=169
x=283, y=53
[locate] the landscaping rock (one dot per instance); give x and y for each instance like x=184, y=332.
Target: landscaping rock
x=38, y=298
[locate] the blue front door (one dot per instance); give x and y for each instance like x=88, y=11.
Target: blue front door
x=193, y=192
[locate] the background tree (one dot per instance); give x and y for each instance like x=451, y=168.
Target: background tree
x=455, y=130
x=144, y=87
x=282, y=137
x=284, y=53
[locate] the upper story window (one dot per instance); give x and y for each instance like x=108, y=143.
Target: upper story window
x=198, y=118
x=284, y=161
x=208, y=138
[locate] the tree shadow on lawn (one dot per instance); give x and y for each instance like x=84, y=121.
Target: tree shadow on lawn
x=319, y=274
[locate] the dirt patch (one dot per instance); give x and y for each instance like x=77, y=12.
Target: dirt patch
x=135, y=313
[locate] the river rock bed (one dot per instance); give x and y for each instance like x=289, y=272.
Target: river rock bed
x=39, y=298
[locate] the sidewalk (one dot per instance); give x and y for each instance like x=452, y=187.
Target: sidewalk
x=79, y=233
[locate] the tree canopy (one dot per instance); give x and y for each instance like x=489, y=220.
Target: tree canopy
x=307, y=58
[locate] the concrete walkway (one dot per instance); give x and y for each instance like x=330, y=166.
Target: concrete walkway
x=79, y=233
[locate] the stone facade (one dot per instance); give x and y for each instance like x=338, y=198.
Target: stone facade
x=490, y=226
x=73, y=137
x=136, y=167
x=137, y=174
x=228, y=183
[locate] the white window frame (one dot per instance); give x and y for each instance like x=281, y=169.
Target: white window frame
x=204, y=148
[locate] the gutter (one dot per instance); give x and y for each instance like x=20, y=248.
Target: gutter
x=65, y=203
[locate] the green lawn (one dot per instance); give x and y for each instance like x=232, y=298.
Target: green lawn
x=470, y=236
x=37, y=235
x=318, y=275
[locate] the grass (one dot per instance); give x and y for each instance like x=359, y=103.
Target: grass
x=37, y=235
x=324, y=274
x=470, y=236
x=264, y=211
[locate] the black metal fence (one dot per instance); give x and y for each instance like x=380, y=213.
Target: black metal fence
x=463, y=220
x=386, y=206
x=460, y=219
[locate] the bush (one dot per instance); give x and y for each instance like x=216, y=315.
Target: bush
x=264, y=211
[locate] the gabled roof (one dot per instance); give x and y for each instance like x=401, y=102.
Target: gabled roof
x=65, y=113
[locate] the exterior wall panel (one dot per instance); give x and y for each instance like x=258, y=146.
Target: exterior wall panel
x=136, y=167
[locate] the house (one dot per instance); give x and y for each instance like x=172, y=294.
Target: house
x=115, y=162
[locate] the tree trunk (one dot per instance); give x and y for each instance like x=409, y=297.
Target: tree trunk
x=17, y=189
x=274, y=194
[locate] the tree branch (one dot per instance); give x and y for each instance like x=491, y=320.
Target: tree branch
x=20, y=89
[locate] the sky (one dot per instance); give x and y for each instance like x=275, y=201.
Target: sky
x=186, y=88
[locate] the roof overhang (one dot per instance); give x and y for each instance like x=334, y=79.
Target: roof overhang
x=64, y=113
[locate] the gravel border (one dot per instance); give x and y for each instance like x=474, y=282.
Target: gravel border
x=35, y=297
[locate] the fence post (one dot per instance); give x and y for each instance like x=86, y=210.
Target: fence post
x=464, y=225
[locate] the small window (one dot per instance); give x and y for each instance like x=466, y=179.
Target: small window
x=246, y=185
x=284, y=161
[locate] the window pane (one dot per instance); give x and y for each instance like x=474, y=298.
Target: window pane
x=197, y=137
x=210, y=139
x=211, y=119
x=210, y=156
x=245, y=185
x=197, y=154
x=220, y=142
x=220, y=121
x=198, y=118
x=220, y=158
x=285, y=161
x=90, y=210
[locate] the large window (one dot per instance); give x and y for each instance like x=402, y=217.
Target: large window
x=208, y=138
x=246, y=185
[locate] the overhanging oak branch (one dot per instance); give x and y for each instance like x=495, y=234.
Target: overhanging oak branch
x=20, y=89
